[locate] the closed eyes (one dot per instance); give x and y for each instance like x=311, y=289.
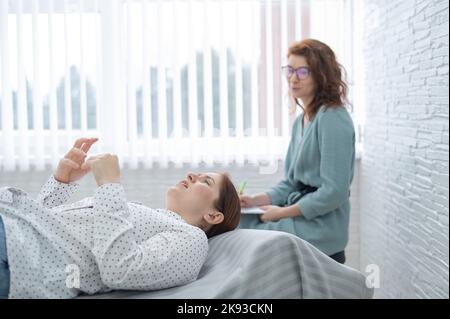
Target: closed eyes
x=208, y=179
x=204, y=179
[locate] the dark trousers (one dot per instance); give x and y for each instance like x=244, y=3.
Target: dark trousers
x=4, y=267
x=339, y=257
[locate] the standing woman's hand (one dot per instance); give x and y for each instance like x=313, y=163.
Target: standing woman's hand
x=246, y=201
x=255, y=200
x=271, y=213
x=70, y=167
x=105, y=168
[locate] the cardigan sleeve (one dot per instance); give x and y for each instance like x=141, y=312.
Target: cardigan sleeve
x=336, y=139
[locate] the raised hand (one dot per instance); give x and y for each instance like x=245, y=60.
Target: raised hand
x=70, y=167
x=105, y=168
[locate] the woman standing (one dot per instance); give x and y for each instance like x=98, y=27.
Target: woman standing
x=312, y=201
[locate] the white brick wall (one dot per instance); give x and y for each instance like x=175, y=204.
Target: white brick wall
x=404, y=185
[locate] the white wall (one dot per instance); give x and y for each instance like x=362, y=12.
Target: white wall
x=404, y=170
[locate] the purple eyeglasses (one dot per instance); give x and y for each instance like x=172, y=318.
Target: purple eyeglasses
x=302, y=72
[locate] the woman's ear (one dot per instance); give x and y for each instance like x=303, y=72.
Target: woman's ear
x=213, y=218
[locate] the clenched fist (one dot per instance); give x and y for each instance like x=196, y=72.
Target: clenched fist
x=105, y=168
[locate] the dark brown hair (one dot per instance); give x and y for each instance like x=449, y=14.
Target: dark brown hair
x=331, y=90
x=229, y=204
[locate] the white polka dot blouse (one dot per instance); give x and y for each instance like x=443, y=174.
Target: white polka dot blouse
x=101, y=243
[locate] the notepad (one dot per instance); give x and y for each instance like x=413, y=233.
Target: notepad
x=252, y=210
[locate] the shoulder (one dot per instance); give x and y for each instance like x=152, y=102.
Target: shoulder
x=182, y=230
x=193, y=234
x=334, y=117
x=196, y=243
x=200, y=237
x=198, y=233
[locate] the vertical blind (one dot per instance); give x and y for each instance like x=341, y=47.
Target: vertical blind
x=176, y=81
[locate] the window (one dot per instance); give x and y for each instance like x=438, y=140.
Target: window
x=157, y=81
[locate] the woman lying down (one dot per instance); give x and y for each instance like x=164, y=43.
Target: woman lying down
x=49, y=249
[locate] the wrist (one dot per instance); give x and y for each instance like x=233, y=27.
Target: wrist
x=108, y=181
x=291, y=211
x=61, y=179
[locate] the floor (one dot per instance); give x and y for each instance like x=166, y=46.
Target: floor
x=149, y=187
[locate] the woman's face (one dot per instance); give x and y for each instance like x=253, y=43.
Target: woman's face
x=193, y=197
x=301, y=88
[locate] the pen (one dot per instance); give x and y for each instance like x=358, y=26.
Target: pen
x=242, y=187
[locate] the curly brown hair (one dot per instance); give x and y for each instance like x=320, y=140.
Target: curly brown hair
x=327, y=72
